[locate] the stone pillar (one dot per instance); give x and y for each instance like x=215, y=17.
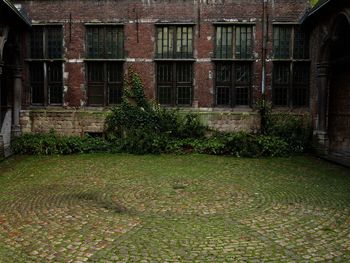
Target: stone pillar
x=1, y=68
x=17, y=98
x=321, y=131
x=322, y=83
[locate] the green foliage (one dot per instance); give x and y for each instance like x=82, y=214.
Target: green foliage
x=293, y=129
x=146, y=127
x=313, y=2
x=240, y=144
x=265, y=110
x=51, y=143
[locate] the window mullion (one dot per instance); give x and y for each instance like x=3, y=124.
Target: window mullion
x=174, y=85
x=221, y=40
x=45, y=68
x=233, y=85
x=291, y=46
x=45, y=43
x=291, y=77
x=233, y=40
x=105, y=85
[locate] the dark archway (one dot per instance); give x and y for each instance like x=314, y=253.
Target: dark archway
x=6, y=78
x=339, y=88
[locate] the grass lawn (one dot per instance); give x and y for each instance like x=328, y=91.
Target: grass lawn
x=173, y=208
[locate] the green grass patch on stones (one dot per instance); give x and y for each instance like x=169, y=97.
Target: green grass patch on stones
x=173, y=208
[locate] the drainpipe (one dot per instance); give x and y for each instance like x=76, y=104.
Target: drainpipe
x=264, y=46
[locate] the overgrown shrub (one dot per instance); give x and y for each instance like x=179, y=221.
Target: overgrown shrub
x=146, y=127
x=51, y=143
x=294, y=129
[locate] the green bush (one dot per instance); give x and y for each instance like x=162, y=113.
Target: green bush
x=294, y=129
x=51, y=143
x=145, y=127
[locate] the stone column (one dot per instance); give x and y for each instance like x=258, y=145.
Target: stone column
x=322, y=98
x=322, y=83
x=1, y=68
x=17, y=98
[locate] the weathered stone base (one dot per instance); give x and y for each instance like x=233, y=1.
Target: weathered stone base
x=6, y=135
x=322, y=149
x=320, y=143
x=65, y=122
x=80, y=122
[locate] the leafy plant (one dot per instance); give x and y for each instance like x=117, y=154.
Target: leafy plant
x=51, y=143
x=146, y=127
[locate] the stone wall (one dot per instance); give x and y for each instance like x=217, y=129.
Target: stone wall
x=65, y=122
x=80, y=122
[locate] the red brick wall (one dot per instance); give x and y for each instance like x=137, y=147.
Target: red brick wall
x=141, y=53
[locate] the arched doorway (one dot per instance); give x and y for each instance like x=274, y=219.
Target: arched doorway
x=339, y=89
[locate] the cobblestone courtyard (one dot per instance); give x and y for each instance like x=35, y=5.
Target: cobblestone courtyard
x=190, y=208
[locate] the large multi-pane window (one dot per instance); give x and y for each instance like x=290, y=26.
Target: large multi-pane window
x=45, y=65
x=174, y=66
x=233, y=56
x=104, y=63
x=291, y=66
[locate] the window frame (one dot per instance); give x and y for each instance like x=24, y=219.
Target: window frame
x=233, y=60
x=293, y=61
x=233, y=55
x=175, y=62
x=47, y=62
x=106, y=83
x=174, y=84
x=118, y=61
x=173, y=53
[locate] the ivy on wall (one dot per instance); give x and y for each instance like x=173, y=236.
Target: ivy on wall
x=314, y=2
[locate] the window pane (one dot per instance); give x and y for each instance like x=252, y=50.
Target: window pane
x=281, y=82
x=223, y=95
x=301, y=73
x=242, y=73
x=96, y=83
x=242, y=83
x=55, y=82
x=184, y=95
x=167, y=42
x=174, y=83
x=36, y=42
x=243, y=42
x=181, y=37
x=281, y=41
x=184, y=83
x=37, y=82
x=301, y=44
x=223, y=83
x=164, y=94
x=54, y=42
x=183, y=42
x=115, y=86
x=164, y=83
x=223, y=42
x=104, y=42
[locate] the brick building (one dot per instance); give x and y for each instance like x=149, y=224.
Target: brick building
x=212, y=57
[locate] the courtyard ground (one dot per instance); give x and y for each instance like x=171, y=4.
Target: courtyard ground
x=173, y=208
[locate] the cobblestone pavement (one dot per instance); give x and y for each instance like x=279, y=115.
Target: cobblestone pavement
x=191, y=208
